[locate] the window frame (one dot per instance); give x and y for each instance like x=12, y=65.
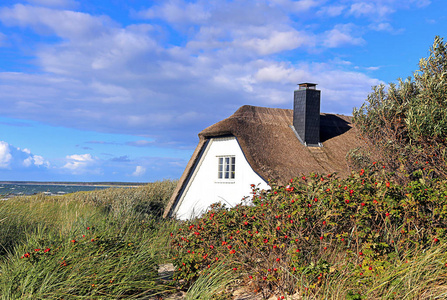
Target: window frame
x=226, y=167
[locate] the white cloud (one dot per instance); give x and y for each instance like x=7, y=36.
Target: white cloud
x=139, y=171
x=168, y=80
x=373, y=68
x=275, y=73
x=111, y=93
x=341, y=35
x=40, y=161
x=140, y=143
x=5, y=155
x=305, y=5
x=79, y=163
x=385, y=26
x=421, y=3
x=64, y=23
x=331, y=11
x=178, y=12
x=15, y=158
x=371, y=9
x=278, y=42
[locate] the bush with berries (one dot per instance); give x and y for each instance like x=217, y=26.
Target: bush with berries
x=292, y=239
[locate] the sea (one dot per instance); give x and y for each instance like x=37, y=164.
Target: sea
x=8, y=190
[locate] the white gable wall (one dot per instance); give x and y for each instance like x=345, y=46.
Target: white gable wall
x=204, y=188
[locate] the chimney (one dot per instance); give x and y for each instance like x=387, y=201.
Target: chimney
x=306, y=114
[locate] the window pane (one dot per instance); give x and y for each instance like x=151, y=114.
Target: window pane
x=220, y=168
x=226, y=168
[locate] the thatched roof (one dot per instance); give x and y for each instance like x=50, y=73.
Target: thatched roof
x=272, y=148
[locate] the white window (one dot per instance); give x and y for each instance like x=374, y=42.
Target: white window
x=226, y=167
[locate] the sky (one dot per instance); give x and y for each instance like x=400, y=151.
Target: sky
x=117, y=90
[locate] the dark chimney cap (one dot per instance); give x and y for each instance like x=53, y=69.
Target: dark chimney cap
x=307, y=86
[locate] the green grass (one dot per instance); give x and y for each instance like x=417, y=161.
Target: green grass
x=87, y=245
x=212, y=283
x=108, y=244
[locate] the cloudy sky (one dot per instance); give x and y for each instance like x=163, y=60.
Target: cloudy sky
x=117, y=90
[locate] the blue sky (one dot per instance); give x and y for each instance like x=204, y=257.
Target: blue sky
x=118, y=90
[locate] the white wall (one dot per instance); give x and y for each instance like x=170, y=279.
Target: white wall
x=204, y=188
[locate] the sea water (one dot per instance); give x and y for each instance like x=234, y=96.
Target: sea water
x=8, y=190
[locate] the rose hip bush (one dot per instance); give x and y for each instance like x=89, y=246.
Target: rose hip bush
x=292, y=238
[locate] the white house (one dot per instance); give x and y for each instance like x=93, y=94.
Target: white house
x=258, y=144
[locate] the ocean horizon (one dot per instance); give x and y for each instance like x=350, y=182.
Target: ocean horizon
x=11, y=189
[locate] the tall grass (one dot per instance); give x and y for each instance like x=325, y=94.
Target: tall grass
x=108, y=244
x=100, y=244
x=212, y=284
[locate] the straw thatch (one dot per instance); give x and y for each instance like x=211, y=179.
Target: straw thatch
x=272, y=148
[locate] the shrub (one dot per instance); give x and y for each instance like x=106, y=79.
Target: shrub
x=316, y=230
x=406, y=123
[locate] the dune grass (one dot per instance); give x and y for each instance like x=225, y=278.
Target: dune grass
x=109, y=244
x=101, y=244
